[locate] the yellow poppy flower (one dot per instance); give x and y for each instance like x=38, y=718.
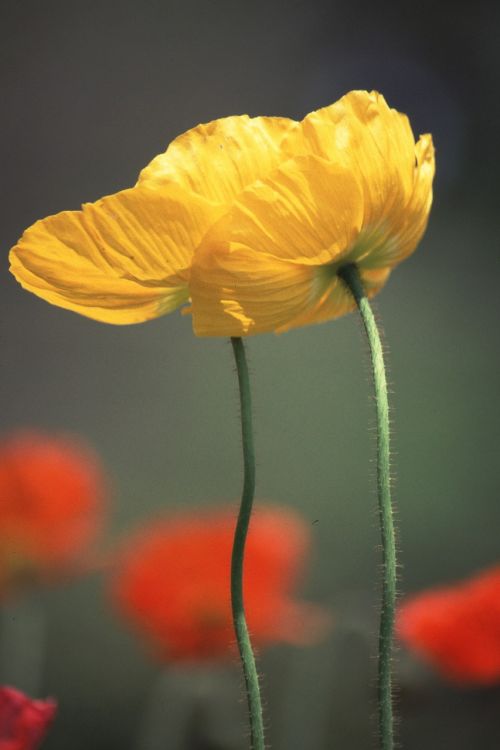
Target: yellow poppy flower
x=249, y=218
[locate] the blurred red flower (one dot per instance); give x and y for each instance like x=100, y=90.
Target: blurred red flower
x=173, y=583
x=457, y=628
x=23, y=721
x=52, y=492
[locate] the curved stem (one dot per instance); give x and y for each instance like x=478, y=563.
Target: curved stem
x=240, y=535
x=350, y=275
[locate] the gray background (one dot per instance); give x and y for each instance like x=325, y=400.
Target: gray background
x=91, y=92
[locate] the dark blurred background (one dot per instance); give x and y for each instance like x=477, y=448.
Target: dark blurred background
x=91, y=92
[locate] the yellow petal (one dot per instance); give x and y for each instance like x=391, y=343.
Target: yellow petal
x=257, y=269
x=361, y=132
x=401, y=226
x=335, y=299
x=123, y=259
x=237, y=292
x=219, y=159
x=417, y=211
x=307, y=211
x=252, y=217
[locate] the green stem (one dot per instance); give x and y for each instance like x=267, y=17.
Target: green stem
x=240, y=535
x=350, y=275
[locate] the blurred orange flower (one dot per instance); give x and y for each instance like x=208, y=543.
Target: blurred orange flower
x=23, y=721
x=172, y=583
x=457, y=628
x=52, y=494
x=249, y=218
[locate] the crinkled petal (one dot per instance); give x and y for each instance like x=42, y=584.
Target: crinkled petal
x=123, y=259
x=256, y=270
x=361, y=132
x=399, y=230
x=237, y=292
x=336, y=300
x=221, y=158
x=376, y=143
x=416, y=213
x=251, y=216
x=271, y=263
x=307, y=211
x=240, y=293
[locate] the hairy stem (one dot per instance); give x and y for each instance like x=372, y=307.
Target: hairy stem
x=350, y=275
x=240, y=625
